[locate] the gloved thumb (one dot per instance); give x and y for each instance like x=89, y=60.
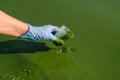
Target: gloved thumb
x=52, y=37
x=59, y=42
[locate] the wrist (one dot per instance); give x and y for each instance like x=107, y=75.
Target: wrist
x=24, y=31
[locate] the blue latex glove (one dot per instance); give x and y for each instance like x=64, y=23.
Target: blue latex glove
x=41, y=32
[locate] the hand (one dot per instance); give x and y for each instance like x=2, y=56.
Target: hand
x=59, y=42
x=45, y=32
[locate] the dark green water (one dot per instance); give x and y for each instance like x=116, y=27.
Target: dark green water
x=96, y=45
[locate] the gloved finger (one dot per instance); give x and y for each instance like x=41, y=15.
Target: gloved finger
x=55, y=29
x=52, y=37
x=59, y=42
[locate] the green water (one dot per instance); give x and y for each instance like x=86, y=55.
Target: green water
x=96, y=45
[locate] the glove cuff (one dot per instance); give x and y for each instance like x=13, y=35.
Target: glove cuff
x=27, y=34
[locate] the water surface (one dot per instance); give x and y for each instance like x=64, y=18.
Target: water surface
x=96, y=45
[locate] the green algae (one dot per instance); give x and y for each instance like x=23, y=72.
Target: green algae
x=95, y=24
x=35, y=65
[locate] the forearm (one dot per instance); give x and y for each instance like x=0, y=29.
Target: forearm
x=11, y=26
